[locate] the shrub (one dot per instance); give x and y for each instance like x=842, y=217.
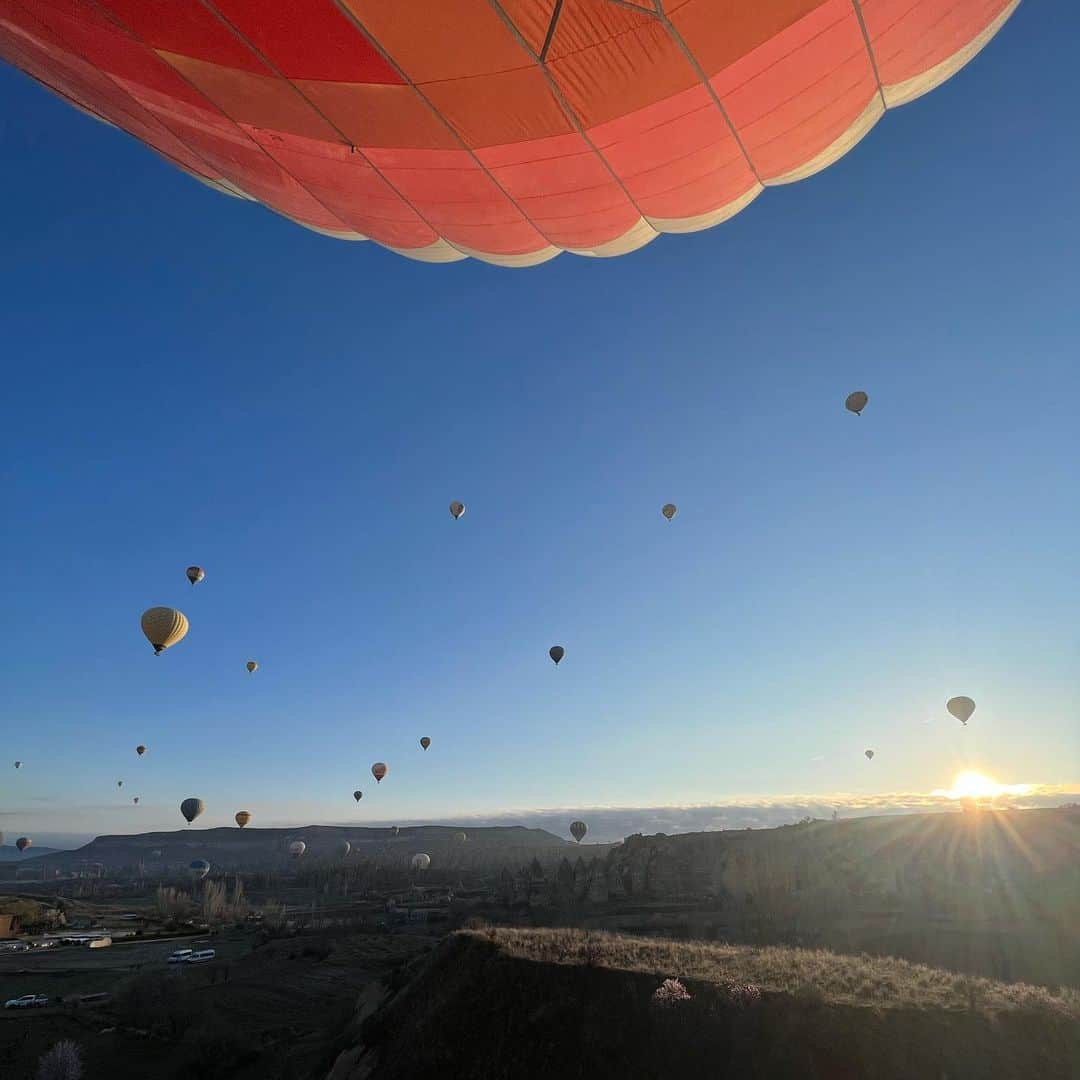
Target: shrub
x=745, y=994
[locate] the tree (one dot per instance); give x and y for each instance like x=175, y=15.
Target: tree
x=62, y=1062
x=215, y=903
x=171, y=904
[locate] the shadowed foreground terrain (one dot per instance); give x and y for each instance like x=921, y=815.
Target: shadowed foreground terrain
x=544, y=1003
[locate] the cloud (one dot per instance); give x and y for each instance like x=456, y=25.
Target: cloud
x=608, y=824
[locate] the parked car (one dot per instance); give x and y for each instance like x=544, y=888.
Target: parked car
x=27, y=1001
x=202, y=956
x=181, y=956
x=14, y=946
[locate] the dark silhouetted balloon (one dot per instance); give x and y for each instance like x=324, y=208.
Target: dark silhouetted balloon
x=856, y=402
x=961, y=708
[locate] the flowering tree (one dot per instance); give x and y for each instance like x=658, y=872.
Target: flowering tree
x=669, y=993
x=62, y=1062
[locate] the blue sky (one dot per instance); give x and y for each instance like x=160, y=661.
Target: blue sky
x=191, y=379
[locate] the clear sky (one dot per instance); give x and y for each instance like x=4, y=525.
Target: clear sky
x=189, y=379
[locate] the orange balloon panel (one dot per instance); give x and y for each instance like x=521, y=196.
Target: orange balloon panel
x=505, y=129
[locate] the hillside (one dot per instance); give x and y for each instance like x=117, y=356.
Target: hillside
x=992, y=893
x=254, y=848
x=544, y=1003
x=10, y=853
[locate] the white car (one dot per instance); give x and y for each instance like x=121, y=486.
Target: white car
x=181, y=956
x=27, y=1001
x=202, y=956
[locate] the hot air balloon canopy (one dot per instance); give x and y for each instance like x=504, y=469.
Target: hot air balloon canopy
x=507, y=131
x=856, y=401
x=163, y=627
x=420, y=861
x=961, y=707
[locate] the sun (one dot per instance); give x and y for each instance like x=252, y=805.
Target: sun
x=976, y=785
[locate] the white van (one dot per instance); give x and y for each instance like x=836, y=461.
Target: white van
x=202, y=956
x=181, y=956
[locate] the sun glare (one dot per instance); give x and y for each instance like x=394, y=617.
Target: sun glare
x=977, y=785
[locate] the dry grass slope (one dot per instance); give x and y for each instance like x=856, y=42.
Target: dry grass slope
x=534, y=1004
x=882, y=982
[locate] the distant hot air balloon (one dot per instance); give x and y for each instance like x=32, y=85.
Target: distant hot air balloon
x=119, y=783
x=578, y=829
x=869, y=755
x=140, y=750
x=357, y=795
x=297, y=848
x=136, y=800
x=461, y=837
x=856, y=402
x=961, y=708
x=195, y=574
x=457, y=509
x=242, y=817
x=252, y=667
x=343, y=848
x=420, y=861
x=425, y=742
x=192, y=808
x=198, y=869
x=394, y=830
x=556, y=652
x=23, y=843
x=669, y=510
x=18, y=764
x=163, y=627
x=379, y=770
x=156, y=853
x=1, y=839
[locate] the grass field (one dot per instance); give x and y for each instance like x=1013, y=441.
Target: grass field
x=268, y=1013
